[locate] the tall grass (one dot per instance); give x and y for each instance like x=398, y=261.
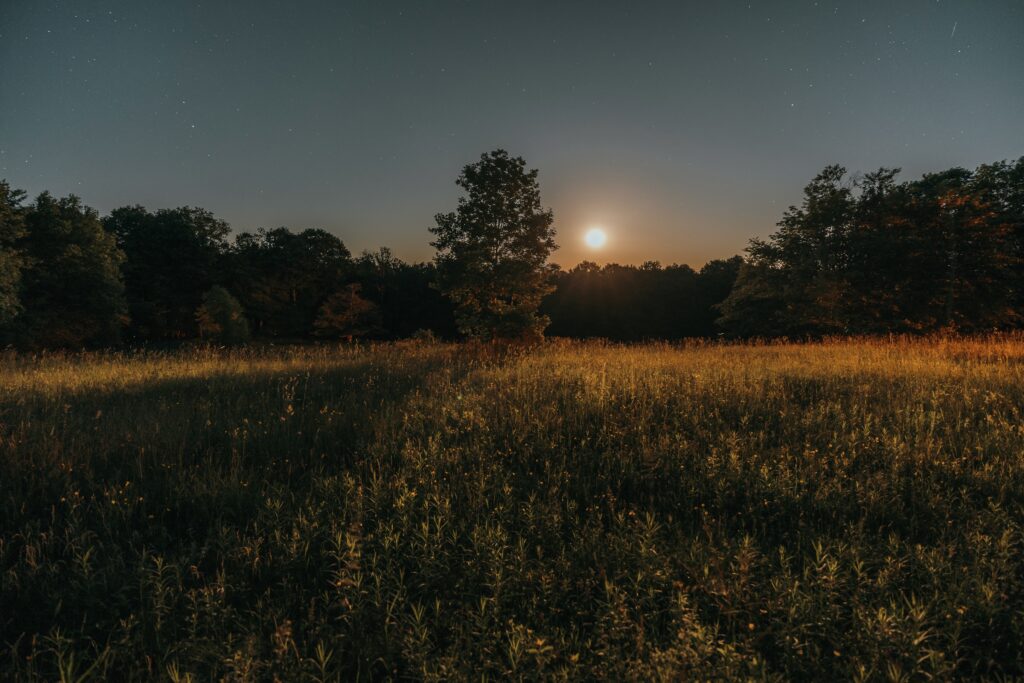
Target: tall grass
x=848, y=509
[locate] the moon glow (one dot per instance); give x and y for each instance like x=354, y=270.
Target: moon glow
x=595, y=238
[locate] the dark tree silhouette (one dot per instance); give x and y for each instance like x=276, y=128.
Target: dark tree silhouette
x=877, y=256
x=968, y=259
x=12, y=227
x=630, y=303
x=1001, y=188
x=172, y=257
x=861, y=254
x=492, y=251
x=405, y=295
x=282, y=278
x=755, y=305
x=346, y=314
x=714, y=283
x=71, y=290
x=220, y=318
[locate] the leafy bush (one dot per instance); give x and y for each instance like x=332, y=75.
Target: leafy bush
x=424, y=336
x=221, y=318
x=346, y=314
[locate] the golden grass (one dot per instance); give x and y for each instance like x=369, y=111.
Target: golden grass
x=844, y=509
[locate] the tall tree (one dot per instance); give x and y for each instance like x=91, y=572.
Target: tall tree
x=756, y=305
x=172, y=256
x=797, y=277
x=405, y=295
x=876, y=256
x=282, y=278
x=714, y=284
x=72, y=291
x=975, y=282
x=881, y=293
x=811, y=246
x=492, y=251
x=1000, y=186
x=12, y=227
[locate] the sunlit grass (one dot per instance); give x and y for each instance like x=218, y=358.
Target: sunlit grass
x=846, y=509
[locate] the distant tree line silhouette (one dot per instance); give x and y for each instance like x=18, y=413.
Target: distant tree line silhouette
x=859, y=255
x=633, y=303
x=871, y=255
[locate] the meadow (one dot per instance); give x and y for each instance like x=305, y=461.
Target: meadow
x=851, y=509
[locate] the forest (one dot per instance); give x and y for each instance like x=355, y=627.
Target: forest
x=860, y=254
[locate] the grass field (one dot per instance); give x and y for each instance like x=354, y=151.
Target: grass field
x=851, y=509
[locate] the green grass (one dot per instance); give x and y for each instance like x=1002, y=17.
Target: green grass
x=851, y=509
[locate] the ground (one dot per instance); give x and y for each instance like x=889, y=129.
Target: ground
x=575, y=510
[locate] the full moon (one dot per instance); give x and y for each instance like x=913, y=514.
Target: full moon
x=595, y=238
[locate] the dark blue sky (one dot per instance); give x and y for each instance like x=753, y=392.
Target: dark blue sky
x=683, y=128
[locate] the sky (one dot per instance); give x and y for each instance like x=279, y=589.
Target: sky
x=683, y=128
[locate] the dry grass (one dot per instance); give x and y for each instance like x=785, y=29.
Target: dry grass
x=848, y=509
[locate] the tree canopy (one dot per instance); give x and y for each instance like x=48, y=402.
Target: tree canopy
x=221, y=318
x=492, y=251
x=71, y=291
x=12, y=226
x=869, y=254
x=282, y=277
x=172, y=257
x=346, y=314
x=859, y=254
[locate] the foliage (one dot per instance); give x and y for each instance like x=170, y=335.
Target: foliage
x=492, y=251
x=873, y=255
x=405, y=294
x=283, y=278
x=424, y=337
x=172, y=257
x=630, y=303
x=346, y=314
x=12, y=226
x=755, y=305
x=1001, y=188
x=835, y=511
x=864, y=254
x=221, y=318
x=72, y=294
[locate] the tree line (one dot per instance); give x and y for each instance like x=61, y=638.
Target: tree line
x=861, y=254
x=872, y=255
x=69, y=278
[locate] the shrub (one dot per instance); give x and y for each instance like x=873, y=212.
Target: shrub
x=346, y=314
x=221, y=318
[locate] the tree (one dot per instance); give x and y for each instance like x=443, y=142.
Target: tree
x=492, y=251
x=347, y=314
x=282, y=278
x=811, y=247
x=795, y=282
x=755, y=305
x=405, y=294
x=976, y=285
x=1001, y=187
x=72, y=291
x=172, y=257
x=882, y=245
x=632, y=303
x=221, y=318
x=878, y=256
x=12, y=228
x=714, y=284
